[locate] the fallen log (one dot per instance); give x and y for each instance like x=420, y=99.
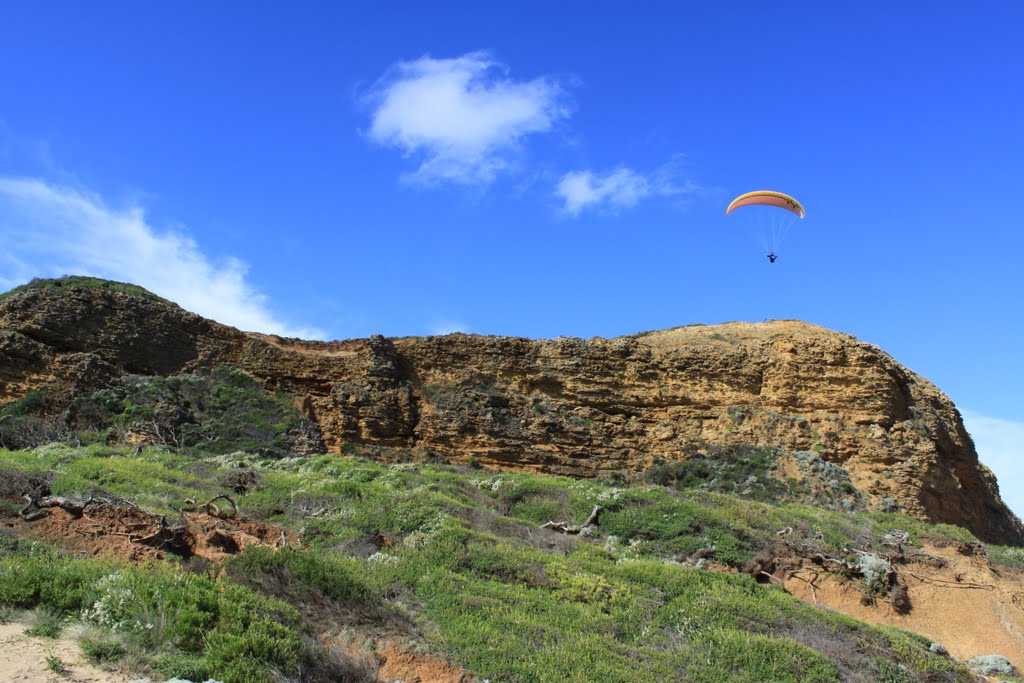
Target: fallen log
x=567, y=528
x=75, y=509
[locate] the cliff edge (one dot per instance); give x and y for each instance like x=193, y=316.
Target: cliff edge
x=577, y=407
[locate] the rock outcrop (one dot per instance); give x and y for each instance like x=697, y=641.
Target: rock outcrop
x=578, y=407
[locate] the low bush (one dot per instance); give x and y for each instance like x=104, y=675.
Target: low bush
x=241, y=636
x=301, y=577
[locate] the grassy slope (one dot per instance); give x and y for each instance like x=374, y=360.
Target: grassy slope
x=83, y=281
x=471, y=576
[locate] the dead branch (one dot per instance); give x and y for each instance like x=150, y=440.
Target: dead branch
x=567, y=528
x=814, y=589
x=782, y=583
x=946, y=583
x=71, y=507
x=34, y=514
x=214, y=511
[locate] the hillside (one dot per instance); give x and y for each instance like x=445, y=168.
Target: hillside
x=575, y=407
x=347, y=569
x=735, y=503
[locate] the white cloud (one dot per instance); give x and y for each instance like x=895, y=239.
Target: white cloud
x=49, y=230
x=619, y=189
x=462, y=116
x=1000, y=445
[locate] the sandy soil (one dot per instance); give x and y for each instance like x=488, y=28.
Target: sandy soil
x=133, y=534
x=397, y=664
x=966, y=605
x=23, y=660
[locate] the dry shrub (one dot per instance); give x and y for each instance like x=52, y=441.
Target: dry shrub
x=241, y=480
x=900, y=598
x=762, y=563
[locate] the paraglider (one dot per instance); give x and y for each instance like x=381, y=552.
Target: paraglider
x=767, y=198
x=779, y=223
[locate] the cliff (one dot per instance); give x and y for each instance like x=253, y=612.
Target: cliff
x=568, y=406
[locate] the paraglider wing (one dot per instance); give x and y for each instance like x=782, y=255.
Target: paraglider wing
x=767, y=198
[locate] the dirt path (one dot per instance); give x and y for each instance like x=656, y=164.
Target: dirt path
x=23, y=660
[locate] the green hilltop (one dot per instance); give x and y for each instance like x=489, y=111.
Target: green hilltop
x=71, y=281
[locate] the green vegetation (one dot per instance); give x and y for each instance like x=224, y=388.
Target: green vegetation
x=744, y=470
x=57, y=666
x=235, y=634
x=1001, y=554
x=32, y=403
x=218, y=411
x=221, y=411
x=26, y=422
x=456, y=556
x=69, y=281
x=45, y=624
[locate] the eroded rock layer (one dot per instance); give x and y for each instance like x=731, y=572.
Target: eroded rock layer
x=567, y=406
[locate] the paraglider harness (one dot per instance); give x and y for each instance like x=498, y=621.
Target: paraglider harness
x=772, y=256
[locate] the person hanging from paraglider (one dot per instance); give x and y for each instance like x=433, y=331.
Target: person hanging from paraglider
x=775, y=200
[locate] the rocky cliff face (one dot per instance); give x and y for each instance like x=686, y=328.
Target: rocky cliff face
x=568, y=406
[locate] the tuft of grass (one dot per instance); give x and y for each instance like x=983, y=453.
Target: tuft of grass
x=45, y=623
x=101, y=647
x=57, y=666
x=8, y=614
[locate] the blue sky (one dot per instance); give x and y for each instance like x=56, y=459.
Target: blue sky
x=536, y=169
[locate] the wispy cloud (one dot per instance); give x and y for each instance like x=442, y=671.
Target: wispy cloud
x=50, y=230
x=464, y=117
x=448, y=327
x=1000, y=445
x=620, y=188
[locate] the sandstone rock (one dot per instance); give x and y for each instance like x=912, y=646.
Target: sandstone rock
x=568, y=406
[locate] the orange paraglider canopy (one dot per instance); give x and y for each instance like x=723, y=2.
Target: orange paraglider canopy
x=767, y=198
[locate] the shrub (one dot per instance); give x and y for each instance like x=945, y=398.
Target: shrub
x=218, y=411
x=45, y=624
x=101, y=648
x=240, y=635
x=300, y=576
